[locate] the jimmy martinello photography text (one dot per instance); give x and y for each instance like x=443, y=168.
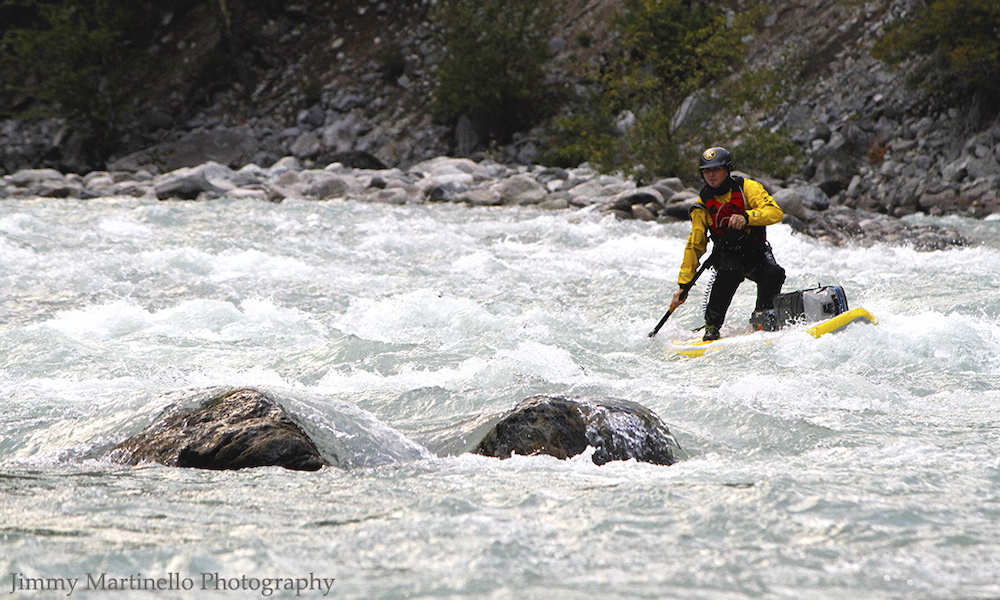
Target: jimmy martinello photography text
x=210, y=582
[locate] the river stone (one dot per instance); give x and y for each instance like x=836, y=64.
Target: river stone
x=27, y=177
x=644, y=195
x=326, y=188
x=234, y=430
x=799, y=200
x=521, y=189
x=186, y=184
x=564, y=427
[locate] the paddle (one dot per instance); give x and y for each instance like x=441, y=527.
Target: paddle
x=686, y=287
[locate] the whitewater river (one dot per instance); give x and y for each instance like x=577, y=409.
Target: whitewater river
x=864, y=464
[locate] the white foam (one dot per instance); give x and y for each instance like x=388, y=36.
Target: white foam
x=124, y=228
x=205, y=320
x=414, y=317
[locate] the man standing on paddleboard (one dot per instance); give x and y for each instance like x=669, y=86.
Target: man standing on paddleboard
x=733, y=211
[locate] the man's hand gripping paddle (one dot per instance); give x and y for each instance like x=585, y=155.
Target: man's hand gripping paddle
x=686, y=287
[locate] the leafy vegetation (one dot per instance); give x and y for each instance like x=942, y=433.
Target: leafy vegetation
x=73, y=55
x=671, y=50
x=962, y=40
x=768, y=153
x=86, y=60
x=90, y=61
x=493, y=66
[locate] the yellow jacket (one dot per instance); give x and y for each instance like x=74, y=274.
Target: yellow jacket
x=762, y=210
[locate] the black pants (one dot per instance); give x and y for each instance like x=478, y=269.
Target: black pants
x=731, y=268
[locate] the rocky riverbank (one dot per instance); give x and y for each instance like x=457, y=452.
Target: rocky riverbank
x=875, y=146
x=807, y=208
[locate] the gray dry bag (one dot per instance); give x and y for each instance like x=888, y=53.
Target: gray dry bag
x=808, y=306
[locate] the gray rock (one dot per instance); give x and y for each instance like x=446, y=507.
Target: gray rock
x=28, y=177
x=341, y=135
x=327, y=187
x=681, y=208
x=58, y=189
x=842, y=225
x=39, y=143
x=669, y=186
x=313, y=117
x=554, y=202
x=355, y=159
x=448, y=191
x=550, y=174
x=480, y=197
x=249, y=175
x=643, y=213
x=521, y=189
x=797, y=200
x=234, y=430
x=186, y=185
x=565, y=427
x=306, y=145
x=284, y=165
x=232, y=146
x=397, y=196
x=644, y=195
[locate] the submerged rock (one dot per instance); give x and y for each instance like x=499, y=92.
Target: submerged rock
x=564, y=427
x=232, y=430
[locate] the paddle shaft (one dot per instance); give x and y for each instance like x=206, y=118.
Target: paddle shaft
x=686, y=287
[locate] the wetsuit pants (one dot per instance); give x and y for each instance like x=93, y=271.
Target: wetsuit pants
x=731, y=268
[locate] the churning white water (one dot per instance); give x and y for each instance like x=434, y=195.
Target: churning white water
x=864, y=464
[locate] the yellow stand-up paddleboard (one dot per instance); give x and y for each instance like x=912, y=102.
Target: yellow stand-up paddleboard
x=697, y=347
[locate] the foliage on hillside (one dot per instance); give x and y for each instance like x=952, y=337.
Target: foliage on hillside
x=93, y=61
x=74, y=58
x=671, y=50
x=492, y=68
x=90, y=60
x=962, y=40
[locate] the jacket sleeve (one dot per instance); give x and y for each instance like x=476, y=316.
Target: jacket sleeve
x=762, y=209
x=697, y=243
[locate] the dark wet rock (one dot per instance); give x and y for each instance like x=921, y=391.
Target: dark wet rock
x=565, y=427
x=448, y=191
x=186, y=186
x=641, y=196
x=550, y=174
x=232, y=430
x=354, y=159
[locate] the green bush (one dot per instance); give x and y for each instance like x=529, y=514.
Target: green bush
x=683, y=45
x=391, y=62
x=670, y=49
x=768, y=153
x=493, y=66
x=962, y=40
x=74, y=58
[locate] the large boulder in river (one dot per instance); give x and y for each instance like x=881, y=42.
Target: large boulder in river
x=564, y=427
x=232, y=430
